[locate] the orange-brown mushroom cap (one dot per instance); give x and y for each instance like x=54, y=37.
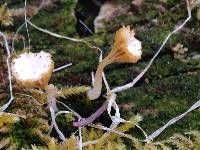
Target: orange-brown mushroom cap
x=126, y=47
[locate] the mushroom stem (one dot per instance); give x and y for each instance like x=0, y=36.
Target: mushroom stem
x=95, y=92
x=85, y=121
x=51, y=97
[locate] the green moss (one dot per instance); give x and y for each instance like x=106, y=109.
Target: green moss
x=169, y=88
x=169, y=93
x=173, y=2
x=24, y=137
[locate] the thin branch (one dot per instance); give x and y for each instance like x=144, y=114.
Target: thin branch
x=62, y=67
x=80, y=143
x=172, y=121
x=63, y=37
x=26, y=25
x=113, y=131
x=5, y=106
x=21, y=26
x=75, y=113
x=54, y=34
x=53, y=117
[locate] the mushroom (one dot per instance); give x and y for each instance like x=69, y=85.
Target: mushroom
x=33, y=70
x=126, y=49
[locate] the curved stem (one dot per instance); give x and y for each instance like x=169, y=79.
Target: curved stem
x=85, y=121
x=114, y=55
x=95, y=92
x=51, y=97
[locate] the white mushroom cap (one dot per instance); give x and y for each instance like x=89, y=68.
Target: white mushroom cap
x=32, y=69
x=134, y=45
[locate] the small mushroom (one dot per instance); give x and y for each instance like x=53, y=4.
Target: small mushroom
x=126, y=49
x=33, y=70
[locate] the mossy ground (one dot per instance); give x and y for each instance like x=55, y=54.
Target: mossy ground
x=169, y=88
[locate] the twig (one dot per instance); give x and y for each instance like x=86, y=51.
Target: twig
x=53, y=117
x=62, y=67
x=63, y=37
x=89, y=30
x=26, y=25
x=20, y=27
x=75, y=113
x=54, y=34
x=80, y=143
x=112, y=130
x=172, y=121
x=5, y=106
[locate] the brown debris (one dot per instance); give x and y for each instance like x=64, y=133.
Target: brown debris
x=180, y=52
x=4, y=143
x=109, y=10
x=149, y=111
x=137, y=3
x=4, y=130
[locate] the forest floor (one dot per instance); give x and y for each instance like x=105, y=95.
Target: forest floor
x=169, y=88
